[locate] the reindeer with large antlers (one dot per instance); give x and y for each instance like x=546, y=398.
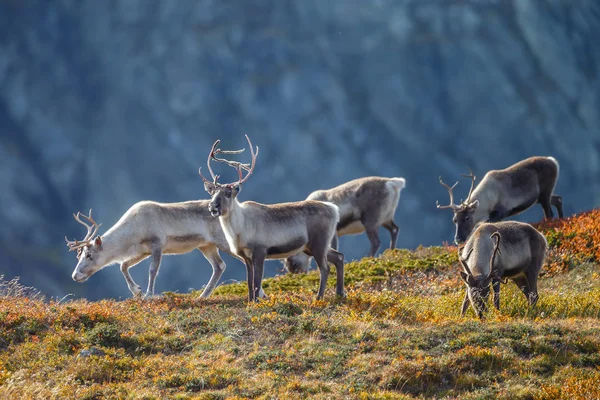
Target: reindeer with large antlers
x=504, y=193
x=496, y=252
x=256, y=231
x=150, y=229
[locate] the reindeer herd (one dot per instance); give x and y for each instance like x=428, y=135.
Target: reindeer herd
x=491, y=251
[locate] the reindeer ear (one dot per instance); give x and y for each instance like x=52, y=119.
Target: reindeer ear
x=98, y=241
x=236, y=189
x=468, y=278
x=209, y=187
x=474, y=204
x=464, y=276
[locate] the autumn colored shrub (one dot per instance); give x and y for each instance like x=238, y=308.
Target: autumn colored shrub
x=571, y=241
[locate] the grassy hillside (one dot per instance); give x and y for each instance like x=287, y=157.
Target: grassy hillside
x=397, y=335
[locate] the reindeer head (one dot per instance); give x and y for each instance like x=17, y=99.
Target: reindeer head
x=223, y=195
x=463, y=213
x=297, y=264
x=478, y=288
x=89, y=250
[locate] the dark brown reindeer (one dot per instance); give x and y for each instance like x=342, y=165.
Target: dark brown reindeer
x=504, y=193
x=365, y=205
x=496, y=252
x=256, y=231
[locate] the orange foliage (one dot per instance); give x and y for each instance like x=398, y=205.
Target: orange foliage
x=571, y=241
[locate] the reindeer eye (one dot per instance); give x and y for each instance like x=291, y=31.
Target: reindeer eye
x=88, y=256
x=467, y=218
x=228, y=194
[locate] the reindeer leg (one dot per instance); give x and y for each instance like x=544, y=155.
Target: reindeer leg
x=496, y=286
x=465, y=304
x=249, y=278
x=258, y=259
x=373, y=236
x=547, y=209
x=532, y=296
x=324, y=271
x=134, y=288
x=334, y=242
x=523, y=284
x=557, y=202
x=393, y=228
x=337, y=258
x=211, y=253
x=154, y=266
x=371, y=223
x=319, y=252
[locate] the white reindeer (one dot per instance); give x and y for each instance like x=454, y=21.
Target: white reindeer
x=256, y=231
x=150, y=229
x=365, y=204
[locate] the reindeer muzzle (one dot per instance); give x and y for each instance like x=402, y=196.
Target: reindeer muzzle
x=80, y=278
x=215, y=211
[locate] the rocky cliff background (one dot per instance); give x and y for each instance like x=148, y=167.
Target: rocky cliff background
x=105, y=103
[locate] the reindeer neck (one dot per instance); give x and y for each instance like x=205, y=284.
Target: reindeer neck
x=115, y=245
x=235, y=217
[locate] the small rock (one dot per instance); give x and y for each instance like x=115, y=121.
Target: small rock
x=91, y=352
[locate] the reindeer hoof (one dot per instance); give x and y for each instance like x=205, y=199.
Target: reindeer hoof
x=150, y=296
x=341, y=295
x=137, y=292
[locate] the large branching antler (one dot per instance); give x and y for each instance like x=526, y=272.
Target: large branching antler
x=250, y=169
x=91, y=231
x=458, y=207
x=240, y=167
x=210, y=156
x=473, y=178
x=453, y=206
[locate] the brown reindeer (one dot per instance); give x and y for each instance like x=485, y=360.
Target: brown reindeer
x=365, y=205
x=256, y=231
x=504, y=193
x=496, y=252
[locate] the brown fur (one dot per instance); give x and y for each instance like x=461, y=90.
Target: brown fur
x=365, y=204
x=522, y=250
x=508, y=192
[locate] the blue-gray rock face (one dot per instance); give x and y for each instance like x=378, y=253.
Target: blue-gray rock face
x=103, y=104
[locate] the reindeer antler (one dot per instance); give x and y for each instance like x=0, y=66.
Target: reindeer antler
x=213, y=150
x=453, y=206
x=91, y=231
x=250, y=169
x=234, y=164
x=463, y=260
x=496, y=251
x=473, y=178
x=458, y=207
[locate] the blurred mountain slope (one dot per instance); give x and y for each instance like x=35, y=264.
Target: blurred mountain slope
x=103, y=104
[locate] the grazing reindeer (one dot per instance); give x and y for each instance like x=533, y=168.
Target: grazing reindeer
x=496, y=252
x=506, y=192
x=256, y=232
x=365, y=204
x=150, y=229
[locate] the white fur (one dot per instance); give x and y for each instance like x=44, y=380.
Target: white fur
x=176, y=228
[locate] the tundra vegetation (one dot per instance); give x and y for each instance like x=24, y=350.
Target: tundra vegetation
x=398, y=334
